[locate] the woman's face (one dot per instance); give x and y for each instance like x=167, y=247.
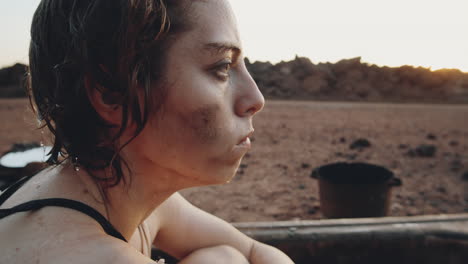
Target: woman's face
x=211, y=102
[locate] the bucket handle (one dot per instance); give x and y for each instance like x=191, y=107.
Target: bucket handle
x=395, y=182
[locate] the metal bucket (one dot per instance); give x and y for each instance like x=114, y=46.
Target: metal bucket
x=353, y=190
x=22, y=160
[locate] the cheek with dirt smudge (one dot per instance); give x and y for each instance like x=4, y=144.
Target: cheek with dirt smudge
x=203, y=124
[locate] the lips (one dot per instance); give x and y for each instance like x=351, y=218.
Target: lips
x=245, y=137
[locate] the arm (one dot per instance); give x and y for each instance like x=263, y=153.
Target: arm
x=262, y=253
x=184, y=229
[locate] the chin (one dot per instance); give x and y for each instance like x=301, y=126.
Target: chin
x=221, y=173
x=224, y=176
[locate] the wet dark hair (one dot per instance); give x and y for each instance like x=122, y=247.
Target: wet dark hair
x=115, y=46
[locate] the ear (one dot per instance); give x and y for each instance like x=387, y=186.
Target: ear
x=105, y=103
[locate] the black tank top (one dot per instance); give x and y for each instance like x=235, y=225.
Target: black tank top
x=58, y=202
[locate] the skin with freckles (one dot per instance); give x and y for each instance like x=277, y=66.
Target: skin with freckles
x=192, y=141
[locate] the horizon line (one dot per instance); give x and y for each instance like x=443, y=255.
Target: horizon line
x=273, y=62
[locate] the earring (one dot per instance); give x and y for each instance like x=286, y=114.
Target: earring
x=76, y=166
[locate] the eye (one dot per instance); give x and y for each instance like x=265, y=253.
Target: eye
x=222, y=70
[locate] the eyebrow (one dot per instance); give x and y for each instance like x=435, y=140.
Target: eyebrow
x=222, y=47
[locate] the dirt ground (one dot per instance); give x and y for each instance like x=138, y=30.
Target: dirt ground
x=292, y=138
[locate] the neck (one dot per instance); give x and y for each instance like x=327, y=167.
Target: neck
x=127, y=208
x=128, y=205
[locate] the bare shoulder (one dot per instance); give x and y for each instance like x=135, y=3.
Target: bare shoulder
x=57, y=244
x=173, y=207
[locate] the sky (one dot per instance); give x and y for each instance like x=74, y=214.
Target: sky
x=428, y=33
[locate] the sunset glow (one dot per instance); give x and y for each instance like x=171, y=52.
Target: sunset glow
x=432, y=34
x=418, y=32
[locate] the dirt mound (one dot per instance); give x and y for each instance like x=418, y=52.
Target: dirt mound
x=12, y=81
x=353, y=80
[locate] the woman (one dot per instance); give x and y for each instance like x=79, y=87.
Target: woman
x=144, y=98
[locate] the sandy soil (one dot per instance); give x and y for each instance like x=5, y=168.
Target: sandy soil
x=292, y=138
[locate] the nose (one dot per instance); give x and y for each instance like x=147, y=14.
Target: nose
x=249, y=100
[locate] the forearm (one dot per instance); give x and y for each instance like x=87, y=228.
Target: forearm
x=265, y=254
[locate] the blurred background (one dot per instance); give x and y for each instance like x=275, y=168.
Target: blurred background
x=383, y=82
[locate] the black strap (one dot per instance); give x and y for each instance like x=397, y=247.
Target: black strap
x=12, y=189
x=58, y=202
x=66, y=203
